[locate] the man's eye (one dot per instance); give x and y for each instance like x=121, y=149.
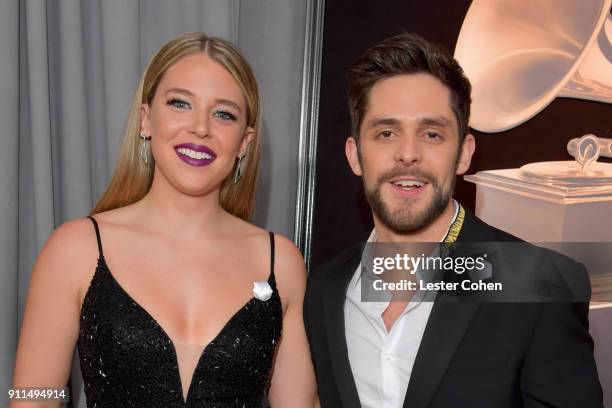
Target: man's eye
x=433, y=136
x=385, y=134
x=179, y=103
x=225, y=115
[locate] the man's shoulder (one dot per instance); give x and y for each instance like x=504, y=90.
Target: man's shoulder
x=528, y=258
x=573, y=273
x=348, y=258
x=494, y=234
x=476, y=230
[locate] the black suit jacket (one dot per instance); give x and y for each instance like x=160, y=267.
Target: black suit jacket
x=473, y=354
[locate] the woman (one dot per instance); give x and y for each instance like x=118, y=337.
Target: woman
x=187, y=301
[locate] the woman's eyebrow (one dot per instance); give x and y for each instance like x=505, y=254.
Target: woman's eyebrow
x=229, y=102
x=179, y=91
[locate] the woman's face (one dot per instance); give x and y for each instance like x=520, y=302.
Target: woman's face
x=197, y=124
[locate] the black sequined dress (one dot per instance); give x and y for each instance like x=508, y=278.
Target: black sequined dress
x=128, y=360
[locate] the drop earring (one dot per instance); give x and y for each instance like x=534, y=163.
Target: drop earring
x=238, y=172
x=144, y=151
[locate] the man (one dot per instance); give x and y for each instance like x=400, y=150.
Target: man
x=409, y=106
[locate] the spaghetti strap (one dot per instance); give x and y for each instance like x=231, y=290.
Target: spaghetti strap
x=95, y=223
x=271, y=255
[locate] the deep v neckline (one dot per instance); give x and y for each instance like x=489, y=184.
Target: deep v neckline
x=102, y=265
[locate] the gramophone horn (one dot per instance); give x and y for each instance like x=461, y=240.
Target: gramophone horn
x=521, y=54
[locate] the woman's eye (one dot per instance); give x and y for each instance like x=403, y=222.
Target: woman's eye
x=179, y=103
x=225, y=115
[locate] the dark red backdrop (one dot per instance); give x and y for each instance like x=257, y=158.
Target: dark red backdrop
x=342, y=216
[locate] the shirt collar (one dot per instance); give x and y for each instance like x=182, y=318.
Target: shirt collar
x=374, y=238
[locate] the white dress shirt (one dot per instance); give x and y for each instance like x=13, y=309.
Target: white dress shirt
x=381, y=360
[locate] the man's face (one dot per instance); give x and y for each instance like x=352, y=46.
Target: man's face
x=409, y=153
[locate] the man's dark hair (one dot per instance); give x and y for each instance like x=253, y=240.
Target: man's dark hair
x=407, y=53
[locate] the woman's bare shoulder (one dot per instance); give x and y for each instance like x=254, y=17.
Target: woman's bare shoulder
x=289, y=269
x=75, y=239
x=69, y=257
x=51, y=318
x=288, y=253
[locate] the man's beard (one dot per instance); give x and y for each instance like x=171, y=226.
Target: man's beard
x=402, y=220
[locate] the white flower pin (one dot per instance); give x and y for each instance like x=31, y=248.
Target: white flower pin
x=262, y=290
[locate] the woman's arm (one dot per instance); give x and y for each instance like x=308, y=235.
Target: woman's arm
x=51, y=321
x=293, y=382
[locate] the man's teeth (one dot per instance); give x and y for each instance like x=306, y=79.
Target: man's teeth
x=409, y=183
x=193, y=154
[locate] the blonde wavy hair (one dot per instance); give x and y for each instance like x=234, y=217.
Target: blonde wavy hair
x=132, y=178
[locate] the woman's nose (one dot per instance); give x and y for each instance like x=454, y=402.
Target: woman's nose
x=199, y=126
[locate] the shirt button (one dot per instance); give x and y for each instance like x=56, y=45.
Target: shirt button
x=387, y=356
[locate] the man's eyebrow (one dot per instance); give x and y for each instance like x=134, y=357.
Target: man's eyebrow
x=439, y=121
x=382, y=122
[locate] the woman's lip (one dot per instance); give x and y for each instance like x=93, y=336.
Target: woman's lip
x=197, y=148
x=194, y=162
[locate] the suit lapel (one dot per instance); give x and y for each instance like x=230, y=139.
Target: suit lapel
x=446, y=327
x=334, y=321
x=447, y=324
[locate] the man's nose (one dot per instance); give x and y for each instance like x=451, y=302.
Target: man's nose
x=408, y=150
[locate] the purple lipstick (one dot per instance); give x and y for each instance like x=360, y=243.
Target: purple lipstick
x=194, y=154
